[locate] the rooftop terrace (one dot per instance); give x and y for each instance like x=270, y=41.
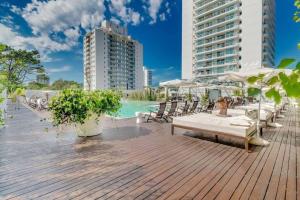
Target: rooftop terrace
x=144, y=162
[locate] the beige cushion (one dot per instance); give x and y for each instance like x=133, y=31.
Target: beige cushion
x=212, y=123
x=264, y=115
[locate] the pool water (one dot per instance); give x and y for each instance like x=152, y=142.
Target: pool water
x=129, y=108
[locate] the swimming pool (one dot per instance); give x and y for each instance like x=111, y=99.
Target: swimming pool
x=129, y=108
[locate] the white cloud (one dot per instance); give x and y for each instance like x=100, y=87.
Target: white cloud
x=57, y=25
x=162, y=17
x=59, y=15
x=59, y=70
x=42, y=43
x=127, y=15
x=154, y=7
x=48, y=19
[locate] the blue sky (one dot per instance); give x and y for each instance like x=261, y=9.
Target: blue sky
x=56, y=29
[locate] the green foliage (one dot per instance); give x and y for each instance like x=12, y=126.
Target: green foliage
x=36, y=86
x=274, y=94
x=19, y=92
x=147, y=95
x=204, y=100
x=280, y=80
x=64, y=84
x=297, y=13
x=18, y=65
x=238, y=93
x=252, y=91
x=285, y=63
x=75, y=106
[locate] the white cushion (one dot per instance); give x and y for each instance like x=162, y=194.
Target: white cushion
x=212, y=122
x=264, y=115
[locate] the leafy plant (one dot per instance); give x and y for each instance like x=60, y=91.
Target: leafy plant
x=280, y=80
x=17, y=93
x=18, y=65
x=75, y=106
x=204, y=99
x=147, y=95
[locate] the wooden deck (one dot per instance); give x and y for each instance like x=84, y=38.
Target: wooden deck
x=144, y=162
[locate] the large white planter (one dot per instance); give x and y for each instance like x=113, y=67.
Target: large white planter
x=91, y=127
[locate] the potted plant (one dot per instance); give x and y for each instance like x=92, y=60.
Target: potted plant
x=84, y=109
x=222, y=104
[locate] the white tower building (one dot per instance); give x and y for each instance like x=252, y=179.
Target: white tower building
x=147, y=77
x=220, y=36
x=112, y=59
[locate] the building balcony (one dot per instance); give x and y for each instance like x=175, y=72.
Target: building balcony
x=235, y=19
x=197, y=22
x=234, y=28
x=206, y=51
x=216, y=8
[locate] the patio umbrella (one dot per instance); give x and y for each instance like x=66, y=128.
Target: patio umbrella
x=242, y=76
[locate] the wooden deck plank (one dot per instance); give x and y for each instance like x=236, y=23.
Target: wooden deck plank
x=263, y=180
x=92, y=186
x=102, y=171
x=254, y=171
x=154, y=166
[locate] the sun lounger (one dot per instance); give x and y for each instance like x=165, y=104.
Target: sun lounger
x=241, y=127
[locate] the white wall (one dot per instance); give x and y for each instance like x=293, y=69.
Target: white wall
x=252, y=28
x=139, y=63
x=101, y=72
x=187, y=39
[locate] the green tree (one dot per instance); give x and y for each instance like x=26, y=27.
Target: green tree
x=18, y=65
x=289, y=83
x=64, y=84
x=36, y=86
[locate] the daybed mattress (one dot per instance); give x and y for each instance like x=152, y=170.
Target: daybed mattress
x=211, y=122
x=264, y=115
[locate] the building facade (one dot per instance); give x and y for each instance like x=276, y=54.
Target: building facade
x=112, y=59
x=221, y=36
x=147, y=77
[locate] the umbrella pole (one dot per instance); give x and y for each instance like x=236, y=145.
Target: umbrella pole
x=258, y=140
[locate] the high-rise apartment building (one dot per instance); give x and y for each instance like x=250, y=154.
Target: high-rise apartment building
x=112, y=59
x=147, y=77
x=220, y=36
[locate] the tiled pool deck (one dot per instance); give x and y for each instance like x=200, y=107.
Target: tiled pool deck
x=144, y=162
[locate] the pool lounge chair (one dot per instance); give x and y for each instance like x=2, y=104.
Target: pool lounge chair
x=194, y=107
x=172, y=112
x=185, y=109
x=159, y=115
x=240, y=127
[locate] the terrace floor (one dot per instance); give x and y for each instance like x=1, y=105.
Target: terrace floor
x=144, y=162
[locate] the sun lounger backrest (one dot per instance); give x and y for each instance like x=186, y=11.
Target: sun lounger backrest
x=194, y=106
x=161, y=111
x=173, y=107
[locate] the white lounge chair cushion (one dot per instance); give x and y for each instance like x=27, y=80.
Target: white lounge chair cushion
x=215, y=123
x=264, y=115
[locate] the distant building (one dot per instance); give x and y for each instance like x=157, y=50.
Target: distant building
x=147, y=77
x=43, y=79
x=224, y=36
x=112, y=59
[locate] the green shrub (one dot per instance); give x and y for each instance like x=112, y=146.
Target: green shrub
x=75, y=106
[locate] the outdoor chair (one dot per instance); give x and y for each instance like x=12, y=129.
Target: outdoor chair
x=172, y=112
x=209, y=108
x=159, y=115
x=194, y=107
x=184, y=110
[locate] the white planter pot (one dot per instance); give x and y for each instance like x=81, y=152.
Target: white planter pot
x=91, y=127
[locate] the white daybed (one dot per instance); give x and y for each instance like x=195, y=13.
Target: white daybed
x=241, y=127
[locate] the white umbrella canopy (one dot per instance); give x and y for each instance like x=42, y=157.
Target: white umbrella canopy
x=178, y=83
x=245, y=73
